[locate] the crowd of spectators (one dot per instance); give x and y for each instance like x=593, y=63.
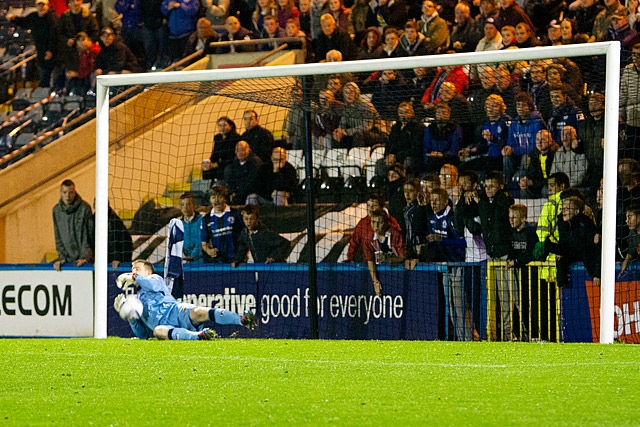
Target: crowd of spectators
x=512, y=125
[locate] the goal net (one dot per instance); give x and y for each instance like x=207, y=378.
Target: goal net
x=476, y=235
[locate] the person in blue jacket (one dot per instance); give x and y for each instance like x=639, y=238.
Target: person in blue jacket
x=521, y=140
x=182, y=17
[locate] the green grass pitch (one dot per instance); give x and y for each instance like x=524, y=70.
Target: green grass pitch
x=227, y=382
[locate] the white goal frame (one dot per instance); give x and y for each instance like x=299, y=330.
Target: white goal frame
x=612, y=88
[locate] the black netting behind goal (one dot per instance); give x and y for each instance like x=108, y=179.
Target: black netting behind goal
x=444, y=200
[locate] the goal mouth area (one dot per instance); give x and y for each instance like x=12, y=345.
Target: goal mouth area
x=215, y=82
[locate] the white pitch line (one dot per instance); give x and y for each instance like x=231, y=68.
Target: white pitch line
x=382, y=363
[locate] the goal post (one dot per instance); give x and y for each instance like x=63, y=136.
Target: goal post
x=611, y=50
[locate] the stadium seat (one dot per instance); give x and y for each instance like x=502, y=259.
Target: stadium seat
x=200, y=190
x=53, y=111
x=334, y=161
x=358, y=156
x=23, y=139
x=40, y=93
x=72, y=102
x=36, y=115
x=318, y=158
x=377, y=153
x=21, y=100
x=336, y=156
x=296, y=158
x=176, y=189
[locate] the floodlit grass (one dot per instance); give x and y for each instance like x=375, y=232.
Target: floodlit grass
x=124, y=382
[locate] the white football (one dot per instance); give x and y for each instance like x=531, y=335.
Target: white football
x=131, y=309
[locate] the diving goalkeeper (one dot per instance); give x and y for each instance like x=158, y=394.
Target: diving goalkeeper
x=166, y=318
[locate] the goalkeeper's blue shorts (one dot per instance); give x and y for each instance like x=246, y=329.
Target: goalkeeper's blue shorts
x=177, y=315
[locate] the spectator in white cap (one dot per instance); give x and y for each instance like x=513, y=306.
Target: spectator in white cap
x=554, y=34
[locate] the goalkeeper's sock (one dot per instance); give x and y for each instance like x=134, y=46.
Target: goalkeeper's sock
x=224, y=317
x=182, y=334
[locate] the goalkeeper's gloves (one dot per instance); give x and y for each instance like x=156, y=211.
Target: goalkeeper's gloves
x=126, y=280
x=118, y=301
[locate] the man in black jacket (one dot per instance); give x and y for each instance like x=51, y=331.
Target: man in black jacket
x=43, y=24
x=260, y=139
x=240, y=175
x=575, y=243
x=332, y=38
x=494, y=222
x=276, y=181
x=114, y=57
x=265, y=245
x=405, y=143
x=72, y=21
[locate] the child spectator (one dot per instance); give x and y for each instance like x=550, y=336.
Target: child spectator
x=271, y=30
x=220, y=228
x=183, y=244
x=387, y=245
x=564, y=112
x=412, y=42
x=265, y=245
x=263, y=8
x=80, y=80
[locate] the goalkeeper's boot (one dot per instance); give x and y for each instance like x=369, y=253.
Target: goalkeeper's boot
x=208, y=334
x=248, y=320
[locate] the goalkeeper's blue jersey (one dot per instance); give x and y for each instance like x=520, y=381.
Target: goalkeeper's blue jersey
x=160, y=308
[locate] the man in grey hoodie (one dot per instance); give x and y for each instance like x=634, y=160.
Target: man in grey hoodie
x=73, y=227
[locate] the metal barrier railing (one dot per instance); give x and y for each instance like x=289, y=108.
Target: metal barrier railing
x=522, y=303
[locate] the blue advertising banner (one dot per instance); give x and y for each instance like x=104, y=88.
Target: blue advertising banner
x=347, y=305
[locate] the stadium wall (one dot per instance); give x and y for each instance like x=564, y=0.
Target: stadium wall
x=30, y=188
